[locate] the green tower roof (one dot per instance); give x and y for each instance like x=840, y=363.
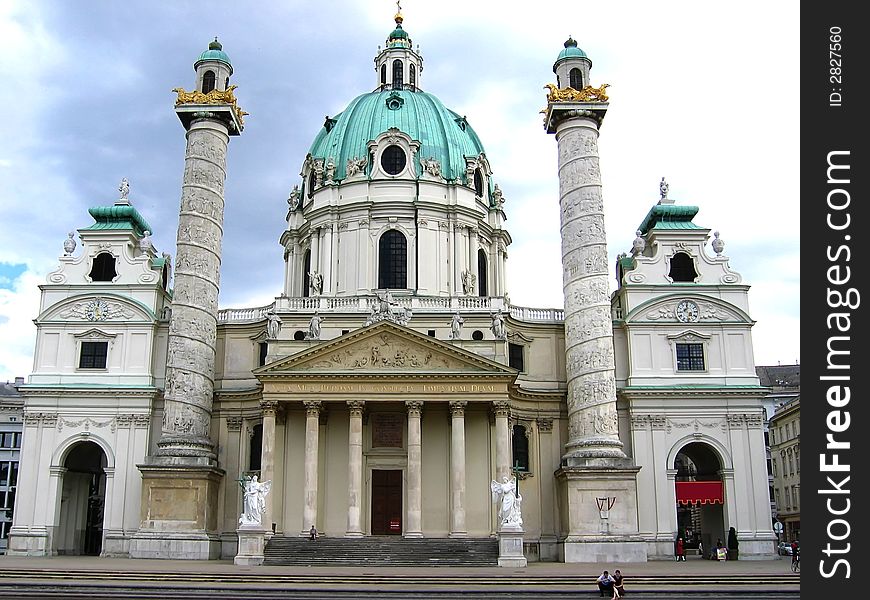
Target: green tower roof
x=214, y=52
x=118, y=216
x=443, y=134
x=669, y=216
x=571, y=51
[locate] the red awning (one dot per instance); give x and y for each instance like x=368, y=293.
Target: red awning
x=699, y=492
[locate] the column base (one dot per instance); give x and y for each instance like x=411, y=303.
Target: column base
x=599, y=503
x=510, y=548
x=602, y=550
x=179, y=511
x=252, y=541
x=413, y=535
x=32, y=541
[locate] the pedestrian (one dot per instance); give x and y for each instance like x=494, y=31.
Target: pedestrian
x=605, y=583
x=618, y=585
x=721, y=552
x=681, y=551
x=700, y=549
x=312, y=533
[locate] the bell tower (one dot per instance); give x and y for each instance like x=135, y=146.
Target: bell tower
x=180, y=481
x=597, y=481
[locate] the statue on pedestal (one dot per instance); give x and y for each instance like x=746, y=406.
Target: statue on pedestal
x=509, y=512
x=255, y=501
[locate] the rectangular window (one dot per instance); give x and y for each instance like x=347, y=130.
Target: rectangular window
x=93, y=355
x=773, y=463
x=773, y=437
x=690, y=357
x=797, y=463
x=264, y=349
x=515, y=357
x=794, y=494
x=788, y=497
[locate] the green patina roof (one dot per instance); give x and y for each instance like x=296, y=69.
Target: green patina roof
x=214, y=52
x=669, y=216
x=442, y=133
x=628, y=263
x=118, y=216
x=571, y=51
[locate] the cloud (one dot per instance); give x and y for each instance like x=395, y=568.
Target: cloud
x=90, y=95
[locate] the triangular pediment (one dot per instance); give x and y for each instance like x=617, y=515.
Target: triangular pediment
x=383, y=348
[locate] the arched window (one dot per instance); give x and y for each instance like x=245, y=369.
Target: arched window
x=208, y=81
x=478, y=183
x=412, y=76
x=254, y=460
x=682, y=268
x=398, y=75
x=103, y=268
x=384, y=74
x=306, y=278
x=312, y=180
x=576, y=78
x=481, y=273
x=393, y=261
x=521, y=449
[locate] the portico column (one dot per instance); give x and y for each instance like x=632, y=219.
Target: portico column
x=457, y=469
x=312, y=442
x=354, y=470
x=267, y=455
x=414, y=518
x=502, y=440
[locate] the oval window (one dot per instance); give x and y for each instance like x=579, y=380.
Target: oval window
x=393, y=160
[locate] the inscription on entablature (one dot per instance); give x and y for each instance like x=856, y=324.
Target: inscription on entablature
x=385, y=388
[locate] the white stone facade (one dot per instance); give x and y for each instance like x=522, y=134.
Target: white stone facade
x=396, y=428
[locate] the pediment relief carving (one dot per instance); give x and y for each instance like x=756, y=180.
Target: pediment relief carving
x=709, y=311
x=385, y=347
x=385, y=351
x=97, y=308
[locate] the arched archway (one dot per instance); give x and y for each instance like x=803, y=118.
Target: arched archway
x=700, y=496
x=82, y=500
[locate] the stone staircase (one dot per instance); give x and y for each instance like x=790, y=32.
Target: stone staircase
x=373, y=551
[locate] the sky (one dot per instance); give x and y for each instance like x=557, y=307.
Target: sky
x=703, y=94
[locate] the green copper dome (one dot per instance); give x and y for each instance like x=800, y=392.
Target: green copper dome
x=214, y=52
x=443, y=134
x=571, y=51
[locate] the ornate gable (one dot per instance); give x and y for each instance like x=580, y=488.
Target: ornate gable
x=384, y=348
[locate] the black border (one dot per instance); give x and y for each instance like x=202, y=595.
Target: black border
x=827, y=128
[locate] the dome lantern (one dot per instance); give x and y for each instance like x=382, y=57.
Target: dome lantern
x=572, y=66
x=213, y=69
x=398, y=66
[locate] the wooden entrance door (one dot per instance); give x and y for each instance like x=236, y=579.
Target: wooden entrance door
x=386, y=502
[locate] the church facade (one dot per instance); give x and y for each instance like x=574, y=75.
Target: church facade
x=391, y=380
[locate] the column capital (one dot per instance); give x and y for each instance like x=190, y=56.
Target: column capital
x=501, y=408
x=312, y=407
x=356, y=407
x=269, y=407
x=414, y=407
x=457, y=408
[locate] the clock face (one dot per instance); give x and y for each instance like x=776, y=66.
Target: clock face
x=687, y=311
x=97, y=310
